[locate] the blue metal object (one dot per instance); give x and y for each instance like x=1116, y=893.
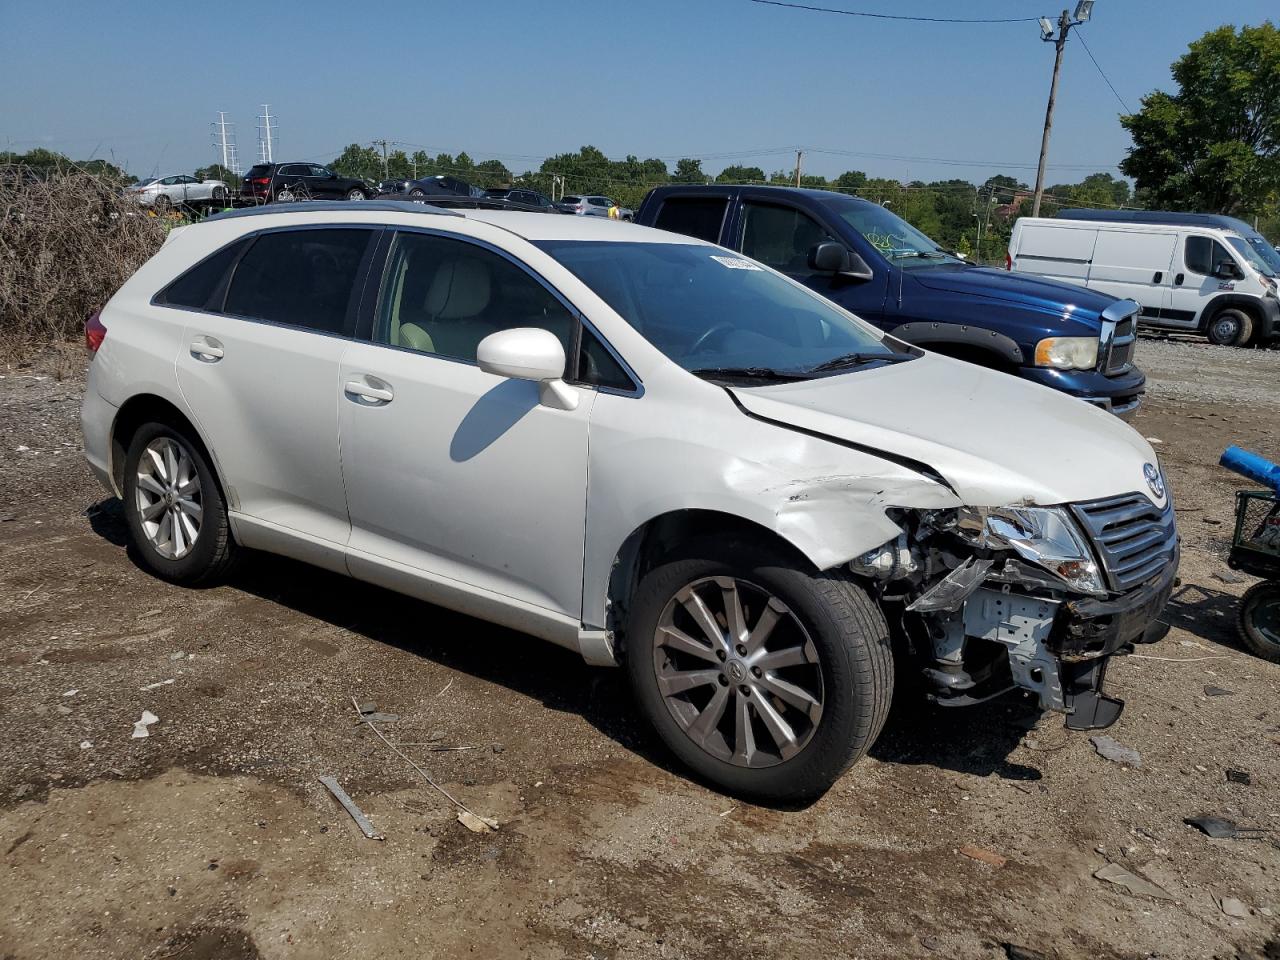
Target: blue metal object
x=1252, y=466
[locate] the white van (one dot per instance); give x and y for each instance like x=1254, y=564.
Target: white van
x=1190, y=271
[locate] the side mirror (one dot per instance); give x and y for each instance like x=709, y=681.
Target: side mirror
x=831, y=256
x=1227, y=270
x=529, y=353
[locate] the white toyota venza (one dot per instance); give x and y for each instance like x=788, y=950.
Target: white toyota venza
x=636, y=445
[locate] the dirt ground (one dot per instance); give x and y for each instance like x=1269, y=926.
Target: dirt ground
x=211, y=838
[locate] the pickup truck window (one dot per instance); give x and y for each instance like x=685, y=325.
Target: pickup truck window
x=700, y=217
x=721, y=316
x=780, y=237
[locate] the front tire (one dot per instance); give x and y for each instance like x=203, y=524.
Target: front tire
x=174, y=509
x=1259, y=622
x=766, y=679
x=1230, y=328
x=356, y=194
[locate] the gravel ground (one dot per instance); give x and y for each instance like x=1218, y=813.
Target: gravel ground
x=211, y=838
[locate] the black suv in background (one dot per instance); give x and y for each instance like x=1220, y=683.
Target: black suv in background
x=530, y=198
x=271, y=182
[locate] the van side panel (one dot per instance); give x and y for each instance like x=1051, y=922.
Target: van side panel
x=1134, y=264
x=1056, y=252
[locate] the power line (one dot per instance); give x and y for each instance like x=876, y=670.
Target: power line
x=895, y=16
x=1101, y=73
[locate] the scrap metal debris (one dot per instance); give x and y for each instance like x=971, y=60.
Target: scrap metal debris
x=140, y=728
x=1212, y=691
x=157, y=685
x=1116, y=752
x=466, y=816
x=1238, y=776
x=1114, y=873
x=1014, y=952
x=1220, y=828
x=350, y=806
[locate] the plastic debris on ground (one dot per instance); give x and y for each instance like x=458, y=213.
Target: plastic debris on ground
x=1116, y=752
x=140, y=727
x=1239, y=776
x=1212, y=691
x=1220, y=828
x=989, y=857
x=1233, y=907
x=1114, y=873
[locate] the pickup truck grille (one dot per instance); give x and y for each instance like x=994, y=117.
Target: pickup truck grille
x=1134, y=538
x=1120, y=356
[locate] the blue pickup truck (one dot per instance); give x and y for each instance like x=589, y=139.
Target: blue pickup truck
x=873, y=263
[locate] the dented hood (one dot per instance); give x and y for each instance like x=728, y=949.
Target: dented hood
x=995, y=439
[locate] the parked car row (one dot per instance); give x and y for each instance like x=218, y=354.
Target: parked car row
x=1190, y=272
x=181, y=190
x=669, y=450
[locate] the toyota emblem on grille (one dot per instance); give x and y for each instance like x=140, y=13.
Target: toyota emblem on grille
x=1154, y=480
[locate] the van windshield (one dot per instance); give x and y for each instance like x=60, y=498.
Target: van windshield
x=1266, y=251
x=1253, y=255
x=896, y=239
x=722, y=316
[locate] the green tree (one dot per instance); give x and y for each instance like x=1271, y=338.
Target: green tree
x=216, y=171
x=850, y=180
x=689, y=171
x=1214, y=145
x=359, y=161
x=740, y=174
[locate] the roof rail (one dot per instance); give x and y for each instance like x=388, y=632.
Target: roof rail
x=321, y=206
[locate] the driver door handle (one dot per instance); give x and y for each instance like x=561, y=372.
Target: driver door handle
x=366, y=393
x=1177, y=280
x=207, y=349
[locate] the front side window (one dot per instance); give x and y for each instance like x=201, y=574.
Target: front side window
x=319, y=171
x=443, y=296
x=699, y=217
x=1203, y=254
x=303, y=278
x=720, y=315
x=780, y=237
x=893, y=237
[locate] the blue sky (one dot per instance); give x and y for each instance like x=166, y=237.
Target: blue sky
x=728, y=80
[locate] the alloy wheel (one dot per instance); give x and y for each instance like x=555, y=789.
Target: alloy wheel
x=738, y=672
x=168, y=496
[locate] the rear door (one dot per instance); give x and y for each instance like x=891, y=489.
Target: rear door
x=259, y=369
x=1054, y=251
x=1135, y=265
x=703, y=217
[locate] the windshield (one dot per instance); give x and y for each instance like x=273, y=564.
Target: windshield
x=1252, y=255
x=1269, y=254
x=720, y=315
x=896, y=239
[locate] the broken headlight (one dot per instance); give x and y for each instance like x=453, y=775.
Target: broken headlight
x=1046, y=536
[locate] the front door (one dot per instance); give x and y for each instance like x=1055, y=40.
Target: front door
x=450, y=471
x=781, y=236
x=1194, y=282
x=260, y=373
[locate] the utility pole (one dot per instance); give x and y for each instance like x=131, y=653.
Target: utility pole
x=386, y=173
x=1065, y=23
x=799, y=157
x=265, y=128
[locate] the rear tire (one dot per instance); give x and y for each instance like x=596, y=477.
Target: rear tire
x=828, y=643
x=356, y=194
x=417, y=192
x=169, y=484
x=1230, y=328
x=1259, y=621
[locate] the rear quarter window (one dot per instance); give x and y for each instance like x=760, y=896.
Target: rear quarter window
x=202, y=287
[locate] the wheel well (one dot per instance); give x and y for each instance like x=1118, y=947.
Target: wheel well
x=1244, y=306
x=654, y=541
x=970, y=354
x=148, y=408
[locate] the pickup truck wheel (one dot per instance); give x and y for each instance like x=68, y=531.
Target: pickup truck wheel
x=1230, y=328
x=174, y=509
x=1260, y=620
x=768, y=680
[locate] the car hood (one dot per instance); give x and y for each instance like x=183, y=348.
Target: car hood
x=1048, y=295
x=995, y=439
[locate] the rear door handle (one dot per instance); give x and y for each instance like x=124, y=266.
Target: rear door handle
x=368, y=393
x=1177, y=280
x=207, y=349
x=1158, y=277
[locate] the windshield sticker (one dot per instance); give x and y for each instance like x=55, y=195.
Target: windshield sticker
x=736, y=263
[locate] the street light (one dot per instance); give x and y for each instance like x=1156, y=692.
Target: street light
x=1084, y=9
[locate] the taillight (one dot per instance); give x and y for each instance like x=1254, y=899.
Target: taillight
x=95, y=332
x=1008, y=262
x=260, y=181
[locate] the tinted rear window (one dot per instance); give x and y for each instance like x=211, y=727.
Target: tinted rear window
x=198, y=287
x=570, y=199
x=303, y=278
x=699, y=217
x=259, y=170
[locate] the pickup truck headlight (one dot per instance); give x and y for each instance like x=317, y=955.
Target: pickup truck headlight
x=1046, y=536
x=1067, y=353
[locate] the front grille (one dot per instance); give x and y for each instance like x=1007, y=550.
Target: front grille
x=1134, y=538
x=1120, y=357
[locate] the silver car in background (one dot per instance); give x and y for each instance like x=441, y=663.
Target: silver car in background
x=164, y=193
x=594, y=205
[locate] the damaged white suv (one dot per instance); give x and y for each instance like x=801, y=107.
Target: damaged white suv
x=641, y=447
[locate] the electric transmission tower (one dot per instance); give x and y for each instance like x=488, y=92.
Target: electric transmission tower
x=266, y=133
x=224, y=143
